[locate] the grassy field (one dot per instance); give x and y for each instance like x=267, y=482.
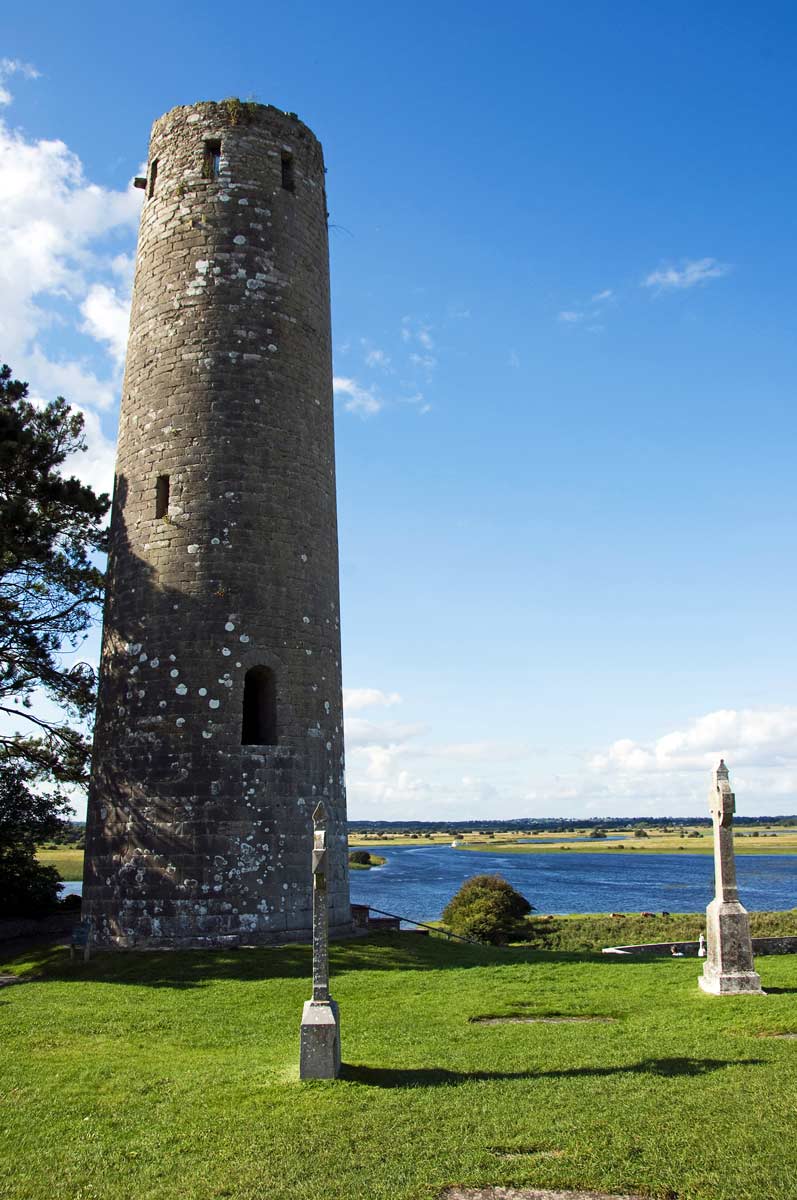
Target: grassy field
x=767, y=842
x=655, y=843
x=67, y=860
x=175, y=1075
x=580, y=932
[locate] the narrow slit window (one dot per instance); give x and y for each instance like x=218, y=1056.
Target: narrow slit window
x=162, y=496
x=259, y=726
x=153, y=178
x=212, y=160
x=287, y=172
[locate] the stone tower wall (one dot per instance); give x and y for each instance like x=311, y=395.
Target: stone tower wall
x=194, y=837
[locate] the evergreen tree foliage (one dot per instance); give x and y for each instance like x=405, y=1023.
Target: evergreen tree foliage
x=50, y=525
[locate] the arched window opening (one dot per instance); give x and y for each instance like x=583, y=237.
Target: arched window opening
x=161, y=497
x=211, y=161
x=259, y=727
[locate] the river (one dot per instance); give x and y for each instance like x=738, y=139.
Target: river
x=418, y=881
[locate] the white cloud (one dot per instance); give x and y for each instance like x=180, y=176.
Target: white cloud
x=602, y=297
x=60, y=235
x=13, y=66
x=570, y=317
x=357, y=399
x=754, y=737
x=690, y=274
x=514, y=359
x=107, y=318
x=52, y=224
x=356, y=699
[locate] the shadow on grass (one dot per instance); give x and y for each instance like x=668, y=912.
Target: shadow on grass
x=776, y=991
x=385, y=1077
x=182, y=969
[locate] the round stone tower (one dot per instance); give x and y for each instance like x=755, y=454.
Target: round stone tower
x=219, y=725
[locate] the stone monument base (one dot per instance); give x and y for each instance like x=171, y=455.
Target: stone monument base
x=319, y=1052
x=729, y=969
x=745, y=983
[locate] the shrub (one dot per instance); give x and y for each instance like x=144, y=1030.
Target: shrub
x=27, y=889
x=486, y=908
x=360, y=857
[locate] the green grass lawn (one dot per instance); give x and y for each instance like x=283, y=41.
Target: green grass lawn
x=66, y=859
x=592, y=931
x=174, y=1076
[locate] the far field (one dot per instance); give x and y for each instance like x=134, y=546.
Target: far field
x=175, y=1075
x=765, y=840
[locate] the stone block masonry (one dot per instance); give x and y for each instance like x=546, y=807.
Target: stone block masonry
x=220, y=724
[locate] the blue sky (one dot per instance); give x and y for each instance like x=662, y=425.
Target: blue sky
x=562, y=267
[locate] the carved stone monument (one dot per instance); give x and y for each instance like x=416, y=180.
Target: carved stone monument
x=729, y=968
x=319, y=1054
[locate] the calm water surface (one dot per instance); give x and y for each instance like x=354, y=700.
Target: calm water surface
x=418, y=881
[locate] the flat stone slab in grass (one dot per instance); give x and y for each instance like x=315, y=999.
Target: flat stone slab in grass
x=500, y=1193
x=7, y=980
x=523, y=1020
x=787, y=1036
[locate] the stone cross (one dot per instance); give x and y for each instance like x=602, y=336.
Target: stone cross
x=729, y=968
x=319, y=1053
x=320, y=920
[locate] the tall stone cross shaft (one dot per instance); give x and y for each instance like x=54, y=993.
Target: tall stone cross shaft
x=320, y=919
x=319, y=1049
x=729, y=969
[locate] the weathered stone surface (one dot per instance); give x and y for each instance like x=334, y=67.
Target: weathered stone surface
x=319, y=1049
x=193, y=837
x=319, y=1053
x=729, y=968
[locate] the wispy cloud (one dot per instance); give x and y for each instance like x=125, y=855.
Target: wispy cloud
x=427, y=362
x=13, y=66
x=356, y=699
x=689, y=274
x=514, y=359
x=602, y=297
x=413, y=330
x=374, y=357
x=356, y=399
x=570, y=317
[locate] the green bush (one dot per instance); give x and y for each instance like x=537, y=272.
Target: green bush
x=27, y=889
x=487, y=909
x=360, y=857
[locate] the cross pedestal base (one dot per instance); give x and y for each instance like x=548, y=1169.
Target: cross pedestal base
x=319, y=1050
